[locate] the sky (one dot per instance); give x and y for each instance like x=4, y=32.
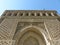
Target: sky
x=29, y=5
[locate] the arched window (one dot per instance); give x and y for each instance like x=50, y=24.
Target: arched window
x=43, y=14
x=49, y=14
x=26, y=14
x=21, y=14
x=38, y=14
x=32, y=14
x=15, y=14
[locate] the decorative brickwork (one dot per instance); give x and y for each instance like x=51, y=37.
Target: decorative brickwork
x=7, y=42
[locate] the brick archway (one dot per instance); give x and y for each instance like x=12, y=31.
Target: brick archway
x=30, y=32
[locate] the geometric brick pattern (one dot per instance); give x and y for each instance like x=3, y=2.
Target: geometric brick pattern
x=6, y=29
x=7, y=42
x=53, y=28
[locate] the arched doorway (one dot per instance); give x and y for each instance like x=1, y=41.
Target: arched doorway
x=30, y=36
x=31, y=41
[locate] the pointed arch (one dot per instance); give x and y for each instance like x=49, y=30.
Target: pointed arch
x=30, y=31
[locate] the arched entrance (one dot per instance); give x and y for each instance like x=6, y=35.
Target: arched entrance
x=31, y=41
x=30, y=36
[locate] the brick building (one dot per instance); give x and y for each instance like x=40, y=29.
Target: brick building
x=30, y=27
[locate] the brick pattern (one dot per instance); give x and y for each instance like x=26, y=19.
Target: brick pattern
x=22, y=25
x=7, y=42
x=6, y=29
x=1, y=19
x=56, y=42
x=53, y=28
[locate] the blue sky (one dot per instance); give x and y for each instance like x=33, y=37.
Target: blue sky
x=29, y=5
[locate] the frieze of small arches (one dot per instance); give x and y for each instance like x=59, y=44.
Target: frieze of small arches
x=29, y=14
